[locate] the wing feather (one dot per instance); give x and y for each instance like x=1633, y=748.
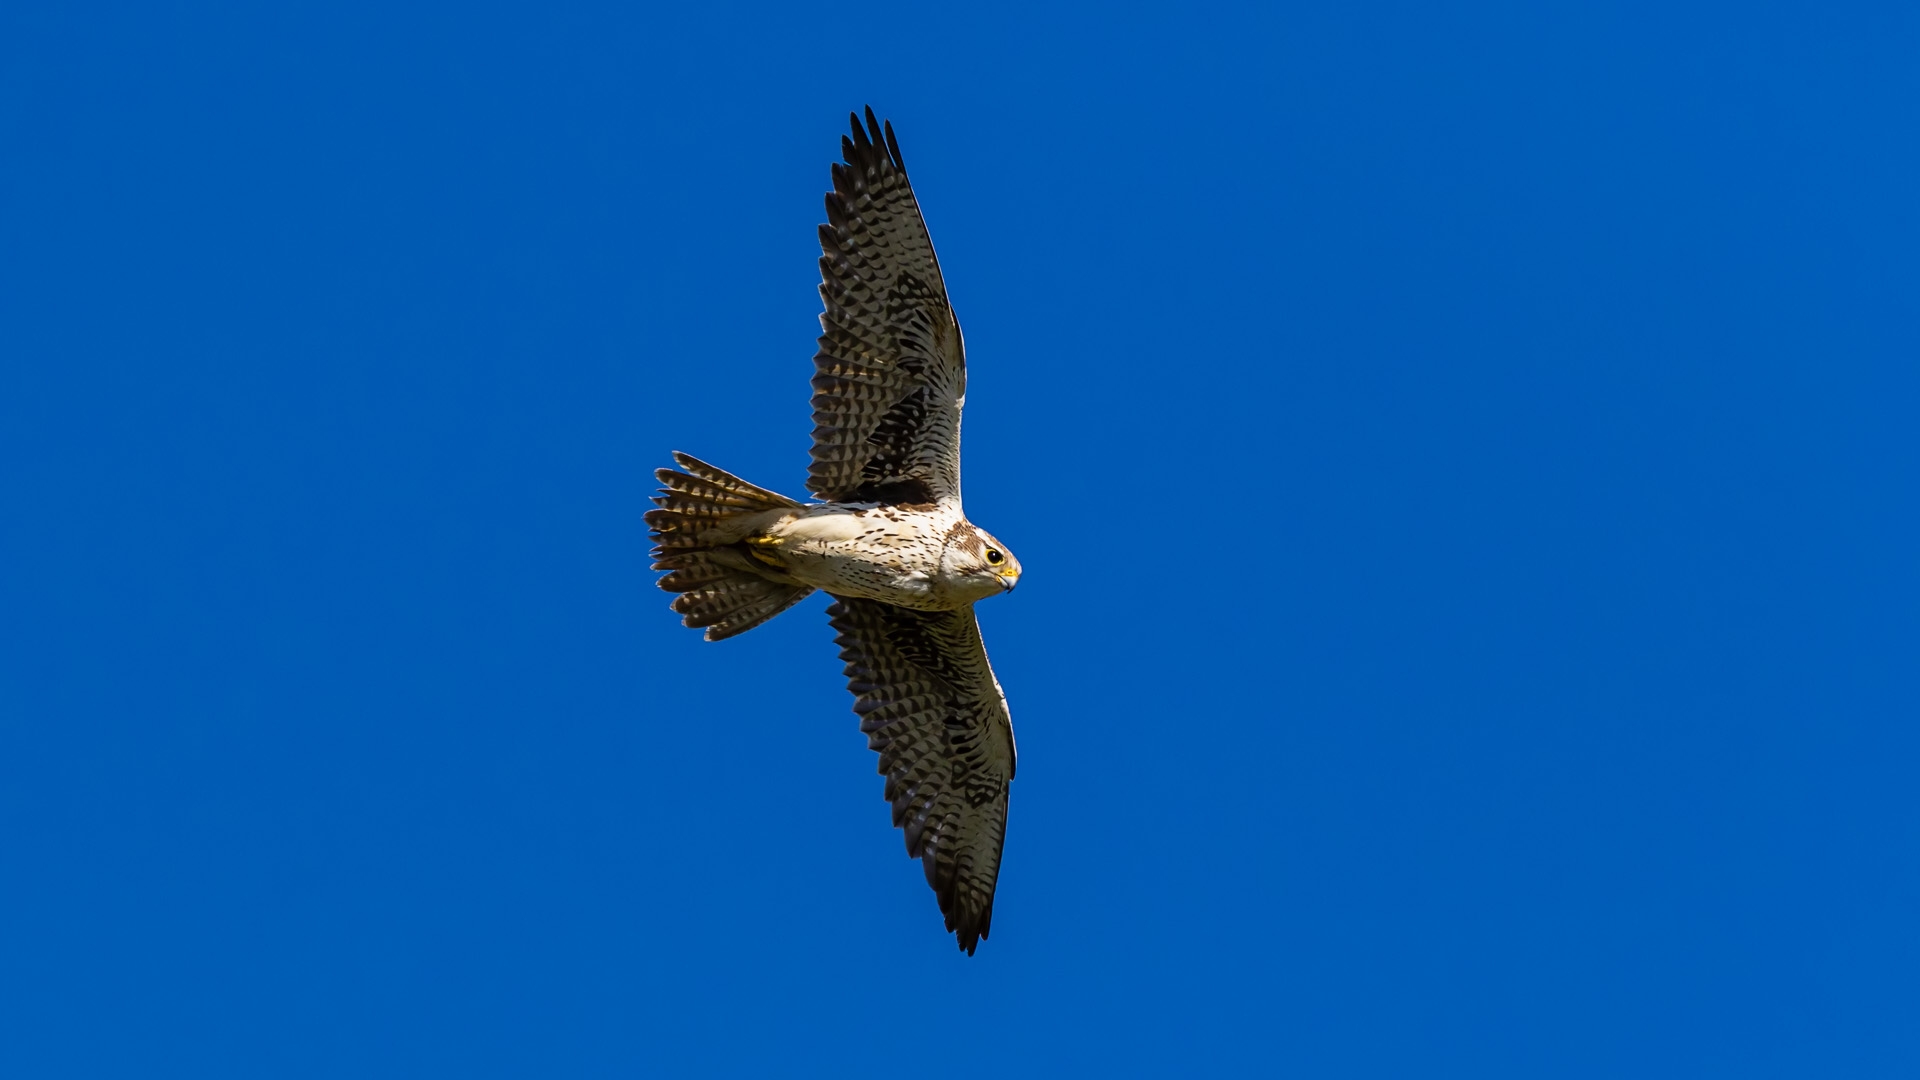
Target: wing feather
x=890, y=375
x=929, y=703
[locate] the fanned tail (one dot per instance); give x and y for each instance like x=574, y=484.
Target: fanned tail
x=703, y=515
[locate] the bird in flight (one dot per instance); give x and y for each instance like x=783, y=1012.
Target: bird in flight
x=887, y=538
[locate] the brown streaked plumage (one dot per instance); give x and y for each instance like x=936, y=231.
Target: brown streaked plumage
x=889, y=539
x=930, y=705
x=891, y=373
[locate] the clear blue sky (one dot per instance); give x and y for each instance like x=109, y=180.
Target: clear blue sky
x=1464, y=463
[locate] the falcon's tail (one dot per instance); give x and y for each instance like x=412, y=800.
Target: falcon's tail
x=697, y=532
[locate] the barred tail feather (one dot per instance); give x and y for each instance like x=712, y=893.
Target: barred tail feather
x=721, y=588
x=722, y=599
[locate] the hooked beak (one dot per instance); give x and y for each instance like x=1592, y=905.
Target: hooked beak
x=1008, y=581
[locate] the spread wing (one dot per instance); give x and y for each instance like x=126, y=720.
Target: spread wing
x=891, y=372
x=930, y=705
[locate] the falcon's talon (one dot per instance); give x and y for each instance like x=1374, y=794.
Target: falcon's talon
x=760, y=555
x=888, y=539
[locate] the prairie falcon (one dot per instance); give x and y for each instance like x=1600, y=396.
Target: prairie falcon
x=887, y=538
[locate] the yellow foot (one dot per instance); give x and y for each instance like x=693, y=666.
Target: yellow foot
x=762, y=548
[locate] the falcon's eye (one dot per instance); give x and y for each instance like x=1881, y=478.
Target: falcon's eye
x=994, y=557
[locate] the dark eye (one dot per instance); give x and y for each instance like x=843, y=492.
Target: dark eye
x=995, y=558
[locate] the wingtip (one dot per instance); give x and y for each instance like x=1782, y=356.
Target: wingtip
x=968, y=937
x=871, y=135
x=893, y=147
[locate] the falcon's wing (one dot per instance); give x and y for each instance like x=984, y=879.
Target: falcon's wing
x=930, y=705
x=891, y=372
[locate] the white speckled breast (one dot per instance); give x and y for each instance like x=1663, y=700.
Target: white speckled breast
x=886, y=553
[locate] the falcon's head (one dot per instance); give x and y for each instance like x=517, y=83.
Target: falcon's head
x=975, y=565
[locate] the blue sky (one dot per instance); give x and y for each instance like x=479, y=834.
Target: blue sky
x=1463, y=460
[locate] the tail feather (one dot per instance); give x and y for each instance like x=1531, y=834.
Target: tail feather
x=696, y=530
x=727, y=482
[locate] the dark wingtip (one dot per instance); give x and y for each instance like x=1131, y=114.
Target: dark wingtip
x=969, y=938
x=893, y=147
x=873, y=134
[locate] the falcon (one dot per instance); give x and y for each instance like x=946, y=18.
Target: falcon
x=886, y=536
